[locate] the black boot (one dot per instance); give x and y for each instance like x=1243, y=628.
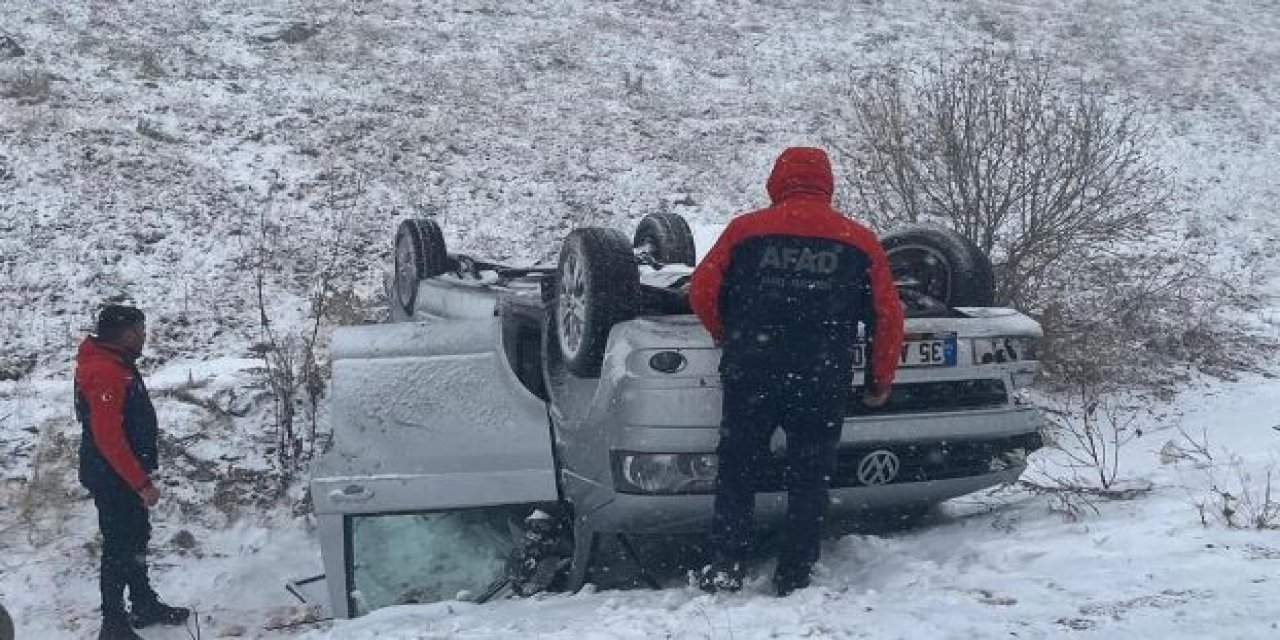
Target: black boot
x=156, y=612
x=790, y=579
x=721, y=576
x=117, y=628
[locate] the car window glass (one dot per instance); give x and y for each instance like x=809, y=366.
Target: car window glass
x=429, y=557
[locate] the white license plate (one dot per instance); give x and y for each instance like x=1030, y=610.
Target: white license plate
x=939, y=351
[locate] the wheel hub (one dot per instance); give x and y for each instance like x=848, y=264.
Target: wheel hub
x=923, y=269
x=571, y=303
x=406, y=269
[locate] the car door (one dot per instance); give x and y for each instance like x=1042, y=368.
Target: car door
x=438, y=454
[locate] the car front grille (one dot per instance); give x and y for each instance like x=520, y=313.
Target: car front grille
x=920, y=397
x=931, y=460
x=913, y=462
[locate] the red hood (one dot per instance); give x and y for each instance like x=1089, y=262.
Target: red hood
x=90, y=348
x=801, y=170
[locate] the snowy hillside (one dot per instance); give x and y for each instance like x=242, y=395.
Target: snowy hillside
x=170, y=152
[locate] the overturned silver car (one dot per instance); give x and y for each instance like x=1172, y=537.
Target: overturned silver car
x=510, y=419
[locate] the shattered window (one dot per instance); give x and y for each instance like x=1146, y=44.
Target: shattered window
x=428, y=557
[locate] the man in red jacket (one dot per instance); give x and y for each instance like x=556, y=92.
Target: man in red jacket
x=782, y=293
x=118, y=450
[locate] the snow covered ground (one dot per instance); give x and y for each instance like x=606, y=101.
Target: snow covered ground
x=998, y=565
x=143, y=144
x=992, y=566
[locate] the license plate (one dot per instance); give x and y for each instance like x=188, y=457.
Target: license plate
x=932, y=351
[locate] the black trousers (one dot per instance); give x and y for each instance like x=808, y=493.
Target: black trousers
x=126, y=530
x=811, y=416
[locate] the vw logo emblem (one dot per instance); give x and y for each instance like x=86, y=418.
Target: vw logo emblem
x=878, y=467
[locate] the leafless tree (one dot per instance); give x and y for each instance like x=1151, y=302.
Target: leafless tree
x=295, y=370
x=1038, y=170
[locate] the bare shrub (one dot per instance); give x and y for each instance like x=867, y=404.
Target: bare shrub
x=1088, y=432
x=295, y=33
x=1038, y=170
x=1188, y=449
x=222, y=404
x=1225, y=489
x=295, y=369
x=1145, y=318
x=16, y=367
x=1241, y=499
x=1056, y=182
x=1231, y=492
x=28, y=86
x=9, y=46
x=154, y=131
x=151, y=65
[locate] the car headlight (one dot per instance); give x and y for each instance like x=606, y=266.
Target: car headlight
x=665, y=472
x=1000, y=350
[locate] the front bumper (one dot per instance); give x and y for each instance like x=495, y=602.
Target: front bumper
x=940, y=456
x=675, y=514
x=979, y=424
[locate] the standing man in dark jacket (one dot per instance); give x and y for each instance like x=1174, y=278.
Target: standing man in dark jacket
x=117, y=452
x=782, y=293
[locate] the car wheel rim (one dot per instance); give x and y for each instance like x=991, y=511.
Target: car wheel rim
x=571, y=320
x=922, y=269
x=406, y=269
x=646, y=245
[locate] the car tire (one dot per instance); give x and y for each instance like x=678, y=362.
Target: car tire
x=667, y=238
x=541, y=562
x=942, y=264
x=419, y=252
x=597, y=286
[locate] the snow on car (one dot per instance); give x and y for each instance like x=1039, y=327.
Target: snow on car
x=510, y=419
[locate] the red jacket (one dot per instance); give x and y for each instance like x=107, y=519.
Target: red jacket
x=801, y=187
x=119, y=438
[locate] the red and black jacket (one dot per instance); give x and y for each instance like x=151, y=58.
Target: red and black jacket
x=118, y=443
x=785, y=287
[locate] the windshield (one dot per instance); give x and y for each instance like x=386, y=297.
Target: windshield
x=428, y=557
